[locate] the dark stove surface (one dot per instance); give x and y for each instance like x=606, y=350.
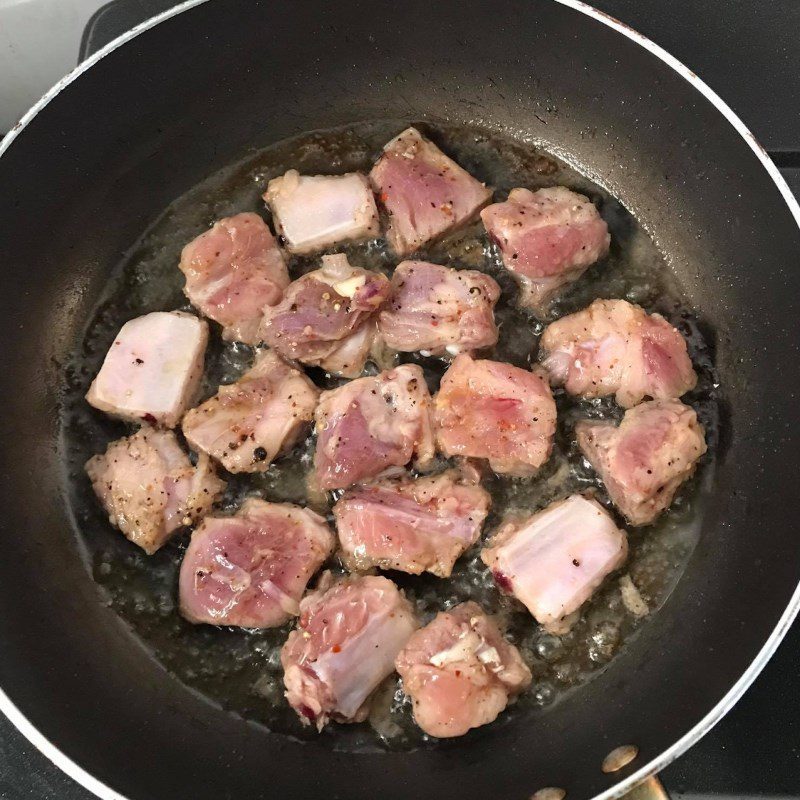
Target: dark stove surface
x=749, y=52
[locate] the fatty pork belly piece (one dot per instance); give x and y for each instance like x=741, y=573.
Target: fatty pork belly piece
x=372, y=424
x=553, y=561
x=251, y=569
x=547, y=239
x=326, y=317
x=614, y=347
x=412, y=525
x=153, y=368
x=233, y=272
x=246, y=425
x=460, y=672
x=437, y=310
x=150, y=489
x=345, y=645
x=313, y=212
x=645, y=459
x=492, y=410
x=425, y=193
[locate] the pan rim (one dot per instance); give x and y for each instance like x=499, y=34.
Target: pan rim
x=735, y=692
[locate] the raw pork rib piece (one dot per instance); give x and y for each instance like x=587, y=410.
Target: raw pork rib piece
x=492, y=410
x=345, y=644
x=251, y=569
x=153, y=368
x=233, y=272
x=547, y=239
x=553, y=561
x=644, y=460
x=411, y=525
x=149, y=487
x=313, y=212
x=435, y=310
x=246, y=425
x=371, y=424
x=613, y=347
x=460, y=672
x=425, y=193
x=326, y=317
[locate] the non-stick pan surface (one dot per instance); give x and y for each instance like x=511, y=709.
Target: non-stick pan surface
x=106, y=154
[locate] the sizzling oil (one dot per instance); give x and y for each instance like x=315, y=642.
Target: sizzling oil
x=240, y=670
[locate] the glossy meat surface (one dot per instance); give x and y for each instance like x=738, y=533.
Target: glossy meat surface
x=150, y=489
x=436, y=310
x=553, y=561
x=460, y=672
x=313, y=212
x=233, y=272
x=547, y=239
x=615, y=348
x=425, y=193
x=346, y=641
x=246, y=425
x=153, y=368
x=371, y=424
x=645, y=459
x=326, y=317
x=410, y=524
x=251, y=569
x=493, y=410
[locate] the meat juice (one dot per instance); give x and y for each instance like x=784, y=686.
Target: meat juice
x=240, y=670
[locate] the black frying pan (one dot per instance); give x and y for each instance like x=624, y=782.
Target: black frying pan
x=101, y=159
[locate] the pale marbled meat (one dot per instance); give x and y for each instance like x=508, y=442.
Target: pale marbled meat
x=246, y=425
x=251, y=569
x=233, y=272
x=149, y=488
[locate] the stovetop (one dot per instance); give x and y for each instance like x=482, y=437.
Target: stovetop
x=749, y=52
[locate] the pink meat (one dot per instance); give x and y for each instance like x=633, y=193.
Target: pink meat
x=493, y=410
x=150, y=489
x=434, y=309
x=412, y=525
x=246, y=425
x=233, y=272
x=345, y=645
x=326, y=317
x=425, y=193
x=646, y=458
x=460, y=672
x=371, y=424
x=547, y=239
x=251, y=569
x=613, y=347
x=553, y=561
x=153, y=368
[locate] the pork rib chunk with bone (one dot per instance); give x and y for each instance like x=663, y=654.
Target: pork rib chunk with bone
x=153, y=368
x=314, y=212
x=553, y=561
x=246, y=425
x=425, y=193
x=327, y=317
x=547, y=239
x=616, y=348
x=150, y=489
x=645, y=459
x=345, y=645
x=371, y=424
x=495, y=411
x=460, y=672
x=436, y=310
x=233, y=272
x=251, y=569
x=411, y=525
